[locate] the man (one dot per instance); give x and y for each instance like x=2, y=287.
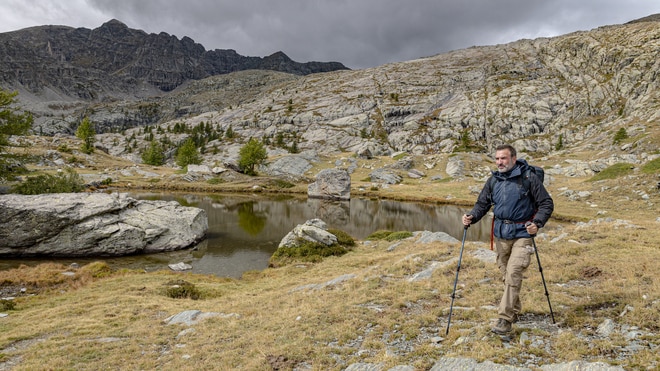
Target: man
x=521, y=205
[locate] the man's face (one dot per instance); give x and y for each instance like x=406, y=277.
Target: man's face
x=504, y=160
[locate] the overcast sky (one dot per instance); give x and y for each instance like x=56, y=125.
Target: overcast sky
x=358, y=33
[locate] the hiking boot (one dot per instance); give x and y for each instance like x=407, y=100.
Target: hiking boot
x=503, y=327
x=515, y=318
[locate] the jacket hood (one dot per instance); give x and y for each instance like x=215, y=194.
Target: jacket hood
x=520, y=166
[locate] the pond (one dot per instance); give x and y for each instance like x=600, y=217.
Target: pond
x=245, y=229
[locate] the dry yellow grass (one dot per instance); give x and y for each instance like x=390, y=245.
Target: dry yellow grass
x=94, y=321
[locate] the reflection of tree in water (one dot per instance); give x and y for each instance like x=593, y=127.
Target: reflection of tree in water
x=248, y=220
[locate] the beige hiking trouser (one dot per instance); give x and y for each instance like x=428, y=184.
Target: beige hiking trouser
x=513, y=258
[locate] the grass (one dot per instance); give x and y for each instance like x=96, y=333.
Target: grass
x=613, y=172
x=105, y=320
x=652, y=167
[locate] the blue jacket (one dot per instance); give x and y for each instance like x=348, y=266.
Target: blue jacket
x=513, y=204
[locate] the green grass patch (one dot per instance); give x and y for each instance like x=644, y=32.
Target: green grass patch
x=379, y=235
x=613, y=172
x=400, y=235
x=282, y=184
x=651, y=167
x=389, y=235
x=215, y=180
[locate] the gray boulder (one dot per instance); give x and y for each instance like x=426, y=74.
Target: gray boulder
x=333, y=184
x=95, y=224
x=314, y=230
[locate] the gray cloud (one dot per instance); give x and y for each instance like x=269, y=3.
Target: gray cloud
x=358, y=33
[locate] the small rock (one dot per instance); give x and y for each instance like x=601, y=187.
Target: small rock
x=179, y=267
x=606, y=328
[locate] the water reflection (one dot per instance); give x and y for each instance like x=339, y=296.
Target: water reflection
x=244, y=230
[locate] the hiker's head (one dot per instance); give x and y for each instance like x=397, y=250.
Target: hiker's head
x=505, y=158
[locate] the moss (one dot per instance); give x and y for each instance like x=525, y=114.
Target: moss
x=343, y=238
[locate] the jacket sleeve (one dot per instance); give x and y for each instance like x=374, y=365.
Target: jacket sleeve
x=542, y=201
x=483, y=204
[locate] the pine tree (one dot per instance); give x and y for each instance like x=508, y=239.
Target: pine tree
x=187, y=154
x=86, y=133
x=253, y=153
x=154, y=155
x=11, y=122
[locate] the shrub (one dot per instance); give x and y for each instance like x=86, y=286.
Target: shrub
x=97, y=269
x=343, y=238
x=379, y=235
x=6, y=305
x=66, y=182
x=64, y=148
x=312, y=252
x=181, y=289
x=620, y=135
x=306, y=251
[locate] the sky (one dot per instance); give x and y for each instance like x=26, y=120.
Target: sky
x=358, y=33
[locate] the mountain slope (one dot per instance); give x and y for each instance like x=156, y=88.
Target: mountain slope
x=539, y=94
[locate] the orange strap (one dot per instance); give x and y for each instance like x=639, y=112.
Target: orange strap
x=492, y=233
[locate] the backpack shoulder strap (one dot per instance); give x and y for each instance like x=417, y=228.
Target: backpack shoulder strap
x=491, y=185
x=525, y=179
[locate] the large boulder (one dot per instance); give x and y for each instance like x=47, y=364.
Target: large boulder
x=333, y=184
x=95, y=224
x=314, y=230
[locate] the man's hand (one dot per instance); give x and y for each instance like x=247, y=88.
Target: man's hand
x=467, y=219
x=532, y=228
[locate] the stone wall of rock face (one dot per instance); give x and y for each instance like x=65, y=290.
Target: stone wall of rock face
x=95, y=224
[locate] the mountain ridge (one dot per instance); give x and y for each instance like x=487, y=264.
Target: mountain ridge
x=79, y=61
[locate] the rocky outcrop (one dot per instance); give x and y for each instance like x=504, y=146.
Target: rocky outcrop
x=574, y=90
x=331, y=184
x=95, y=224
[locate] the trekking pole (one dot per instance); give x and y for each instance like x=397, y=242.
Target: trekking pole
x=542, y=278
x=458, y=268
